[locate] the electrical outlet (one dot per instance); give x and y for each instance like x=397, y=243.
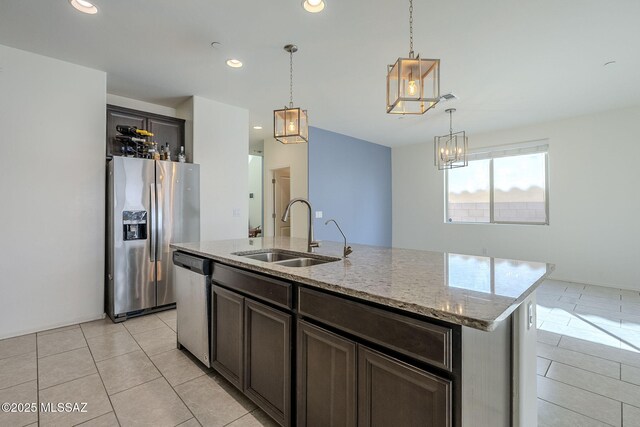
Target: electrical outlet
x=531, y=315
x=318, y=214
x=236, y=212
x=484, y=251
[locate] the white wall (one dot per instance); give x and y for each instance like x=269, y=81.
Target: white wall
x=52, y=116
x=594, y=232
x=135, y=104
x=221, y=146
x=294, y=156
x=255, y=187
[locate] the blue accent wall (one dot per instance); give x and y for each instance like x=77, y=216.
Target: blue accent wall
x=350, y=181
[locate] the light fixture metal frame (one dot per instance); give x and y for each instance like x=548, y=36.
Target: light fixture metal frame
x=454, y=142
x=401, y=74
x=290, y=124
x=413, y=83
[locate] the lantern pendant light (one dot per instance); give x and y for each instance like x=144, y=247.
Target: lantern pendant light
x=450, y=151
x=290, y=125
x=413, y=83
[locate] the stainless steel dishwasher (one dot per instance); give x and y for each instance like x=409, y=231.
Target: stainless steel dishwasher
x=192, y=287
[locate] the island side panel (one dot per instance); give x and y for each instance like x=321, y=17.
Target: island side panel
x=486, y=377
x=525, y=389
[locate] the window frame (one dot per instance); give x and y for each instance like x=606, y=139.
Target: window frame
x=492, y=220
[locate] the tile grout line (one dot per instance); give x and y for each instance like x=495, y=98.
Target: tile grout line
x=19, y=384
x=575, y=412
x=593, y=373
x=66, y=382
x=63, y=352
x=593, y=355
x=117, y=355
x=95, y=365
x=241, y=416
x=174, y=390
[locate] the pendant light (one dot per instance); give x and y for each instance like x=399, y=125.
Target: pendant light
x=290, y=124
x=413, y=83
x=450, y=151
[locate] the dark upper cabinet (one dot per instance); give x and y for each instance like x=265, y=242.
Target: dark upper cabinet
x=326, y=383
x=267, y=376
x=227, y=344
x=393, y=393
x=165, y=129
x=120, y=116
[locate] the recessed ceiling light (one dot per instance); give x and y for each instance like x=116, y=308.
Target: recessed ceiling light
x=234, y=63
x=257, y=127
x=84, y=6
x=313, y=6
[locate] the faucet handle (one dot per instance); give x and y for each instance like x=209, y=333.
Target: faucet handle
x=347, y=251
x=314, y=244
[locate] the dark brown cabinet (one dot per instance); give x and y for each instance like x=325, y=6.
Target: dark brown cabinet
x=393, y=393
x=338, y=380
x=165, y=129
x=341, y=383
x=267, y=376
x=227, y=334
x=326, y=386
x=251, y=342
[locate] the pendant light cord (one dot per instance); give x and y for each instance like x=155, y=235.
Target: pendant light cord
x=450, y=123
x=291, y=79
x=410, y=28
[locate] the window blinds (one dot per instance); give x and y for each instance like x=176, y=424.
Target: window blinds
x=521, y=148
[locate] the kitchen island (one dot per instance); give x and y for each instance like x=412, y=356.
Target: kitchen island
x=385, y=336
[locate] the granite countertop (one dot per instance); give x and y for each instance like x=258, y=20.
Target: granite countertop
x=473, y=291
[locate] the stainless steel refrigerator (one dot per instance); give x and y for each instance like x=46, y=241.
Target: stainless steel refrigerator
x=150, y=204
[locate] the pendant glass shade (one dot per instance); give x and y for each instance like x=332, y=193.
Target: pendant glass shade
x=413, y=85
x=450, y=151
x=290, y=126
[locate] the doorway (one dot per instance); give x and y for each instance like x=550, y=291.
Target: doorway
x=281, y=196
x=255, y=196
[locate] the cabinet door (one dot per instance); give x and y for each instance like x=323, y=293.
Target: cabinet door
x=393, y=393
x=326, y=378
x=118, y=117
x=267, y=378
x=227, y=345
x=171, y=131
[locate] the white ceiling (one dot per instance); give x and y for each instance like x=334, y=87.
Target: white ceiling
x=511, y=62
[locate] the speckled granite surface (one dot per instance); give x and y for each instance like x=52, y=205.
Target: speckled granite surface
x=478, y=292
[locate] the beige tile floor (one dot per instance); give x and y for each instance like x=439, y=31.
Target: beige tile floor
x=129, y=374
x=588, y=355
x=132, y=374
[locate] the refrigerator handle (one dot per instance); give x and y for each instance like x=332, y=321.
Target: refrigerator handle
x=154, y=223
x=159, y=226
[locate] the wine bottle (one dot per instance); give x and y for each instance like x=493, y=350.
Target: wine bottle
x=127, y=130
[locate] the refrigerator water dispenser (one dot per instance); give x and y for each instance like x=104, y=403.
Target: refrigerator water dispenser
x=134, y=225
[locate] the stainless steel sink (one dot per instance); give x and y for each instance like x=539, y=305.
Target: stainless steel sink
x=286, y=258
x=271, y=256
x=303, y=262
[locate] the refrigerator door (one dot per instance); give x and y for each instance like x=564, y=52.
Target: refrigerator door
x=178, y=187
x=131, y=239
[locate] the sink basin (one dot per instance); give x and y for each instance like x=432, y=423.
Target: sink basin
x=303, y=262
x=286, y=258
x=271, y=256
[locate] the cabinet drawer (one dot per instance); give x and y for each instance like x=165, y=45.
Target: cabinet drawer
x=261, y=287
x=420, y=340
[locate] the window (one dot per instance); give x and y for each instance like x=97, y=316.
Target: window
x=506, y=185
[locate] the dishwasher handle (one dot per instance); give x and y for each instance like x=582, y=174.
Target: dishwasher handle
x=194, y=263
